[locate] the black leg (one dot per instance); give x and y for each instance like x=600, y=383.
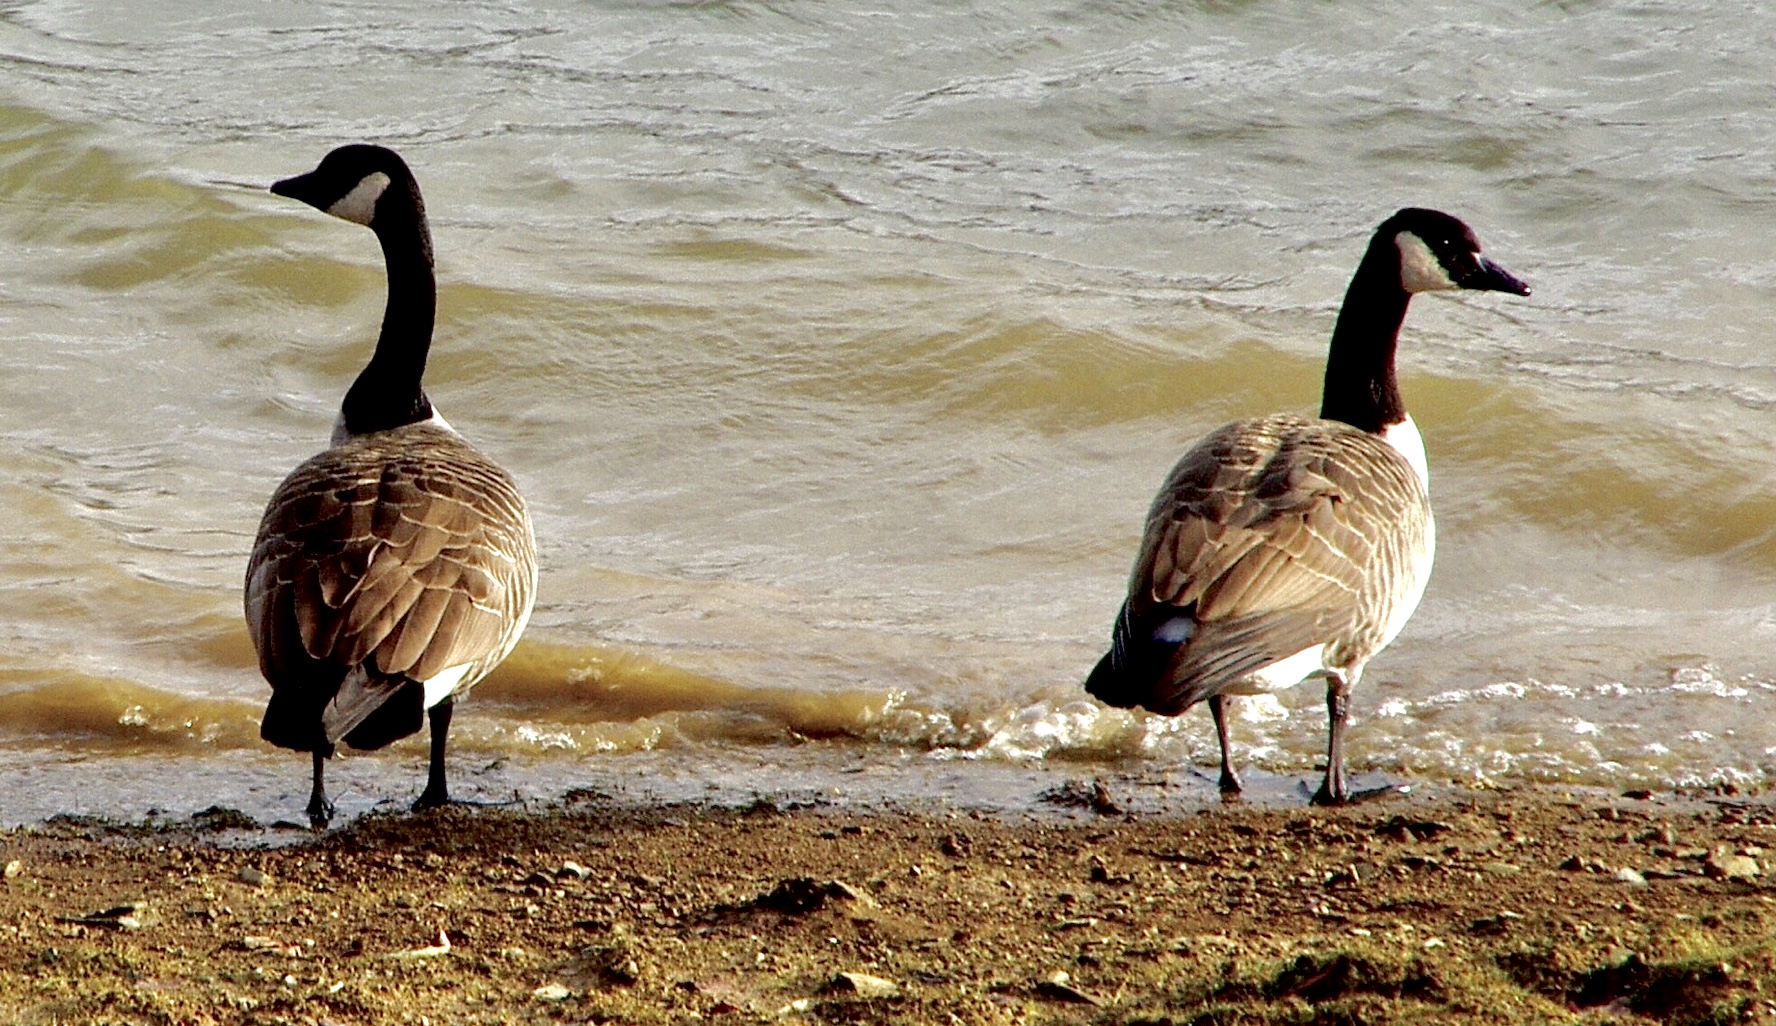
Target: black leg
x=1334, y=791
x=1230, y=781
x=320, y=810
x=436, y=792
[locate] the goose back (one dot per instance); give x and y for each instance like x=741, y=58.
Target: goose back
x=406, y=550
x=1272, y=536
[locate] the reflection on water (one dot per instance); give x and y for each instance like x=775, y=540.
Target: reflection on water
x=840, y=352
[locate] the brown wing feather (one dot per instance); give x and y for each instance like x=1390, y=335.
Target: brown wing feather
x=407, y=545
x=1268, y=533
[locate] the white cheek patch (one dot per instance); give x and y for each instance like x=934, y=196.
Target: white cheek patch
x=1420, y=270
x=359, y=205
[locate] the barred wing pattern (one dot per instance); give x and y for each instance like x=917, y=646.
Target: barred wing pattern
x=1272, y=536
x=407, y=547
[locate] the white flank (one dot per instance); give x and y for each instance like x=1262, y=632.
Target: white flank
x=359, y=205
x=1420, y=270
x=1406, y=440
x=444, y=684
x=1282, y=674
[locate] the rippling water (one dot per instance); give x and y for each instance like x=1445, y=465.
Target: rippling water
x=840, y=352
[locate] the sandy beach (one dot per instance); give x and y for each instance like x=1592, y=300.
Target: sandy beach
x=1502, y=907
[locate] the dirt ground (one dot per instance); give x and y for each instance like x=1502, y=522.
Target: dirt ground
x=1505, y=907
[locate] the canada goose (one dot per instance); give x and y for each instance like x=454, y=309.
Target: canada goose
x=1285, y=546
x=396, y=568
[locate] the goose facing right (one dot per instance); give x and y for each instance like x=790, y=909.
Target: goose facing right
x=1285, y=547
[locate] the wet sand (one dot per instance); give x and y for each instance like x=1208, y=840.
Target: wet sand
x=1502, y=907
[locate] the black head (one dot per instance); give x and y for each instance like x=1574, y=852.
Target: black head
x=1437, y=251
x=351, y=182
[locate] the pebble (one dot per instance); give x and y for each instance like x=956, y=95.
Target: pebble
x=1631, y=876
x=573, y=869
x=551, y=992
x=1059, y=987
x=1722, y=864
x=252, y=877
x=14, y=869
x=864, y=985
x=120, y=917
x=440, y=946
x=844, y=891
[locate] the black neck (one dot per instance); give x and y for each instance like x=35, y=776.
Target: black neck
x=1360, y=389
x=387, y=393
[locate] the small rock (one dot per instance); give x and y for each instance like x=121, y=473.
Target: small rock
x=434, y=861
x=1058, y=987
x=864, y=985
x=800, y=895
x=1631, y=876
x=573, y=869
x=440, y=946
x=845, y=892
x=252, y=877
x=258, y=943
x=551, y=992
x=218, y=817
x=1089, y=794
x=1722, y=864
x=118, y=917
x=1100, y=873
x=14, y=869
x=1408, y=830
x=610, y=965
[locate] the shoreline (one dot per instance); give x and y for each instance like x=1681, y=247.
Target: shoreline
x=1526, y=905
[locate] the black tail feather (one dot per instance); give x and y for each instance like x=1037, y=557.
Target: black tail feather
x=1111, y=684
x=366, y=711
x=1132, y=673
x=401, y=715
x=293, y=720
x=360, y=695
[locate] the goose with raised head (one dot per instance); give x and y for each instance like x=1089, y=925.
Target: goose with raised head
x=1286, y=547
x=397, y=567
